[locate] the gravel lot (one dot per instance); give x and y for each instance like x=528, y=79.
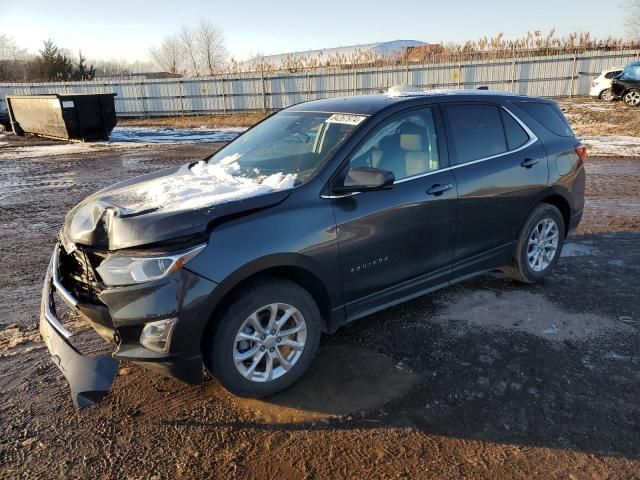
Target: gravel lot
x=487, y=378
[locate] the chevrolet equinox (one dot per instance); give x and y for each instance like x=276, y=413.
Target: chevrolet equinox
x=323, y=213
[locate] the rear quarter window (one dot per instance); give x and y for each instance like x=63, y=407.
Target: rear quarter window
x=549, y=115
x=516, y=136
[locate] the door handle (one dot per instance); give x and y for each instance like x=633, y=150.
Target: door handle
x=439, y=189
x=529, y=162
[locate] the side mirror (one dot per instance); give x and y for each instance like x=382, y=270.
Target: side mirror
x=365, y=179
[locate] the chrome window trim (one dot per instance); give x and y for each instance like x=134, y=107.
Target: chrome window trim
x=532, y=139
x=342, y=195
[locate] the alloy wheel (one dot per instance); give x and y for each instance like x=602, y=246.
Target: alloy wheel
x=543, y=244
x=607, y=95
x=632, y=98
x=269, y=342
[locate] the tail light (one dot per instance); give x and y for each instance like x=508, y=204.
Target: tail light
x=581, y=150
x=594, y=84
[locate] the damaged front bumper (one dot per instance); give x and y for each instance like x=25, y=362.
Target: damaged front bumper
x=121, y=316
x=90, y=378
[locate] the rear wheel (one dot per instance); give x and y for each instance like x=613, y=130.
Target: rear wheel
x=607, y=95
x=539, y=245
x=632, y=97
x=266, y=339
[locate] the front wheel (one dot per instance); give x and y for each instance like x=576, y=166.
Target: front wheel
x=266, y=338
x=632, y=97
x=539, y=245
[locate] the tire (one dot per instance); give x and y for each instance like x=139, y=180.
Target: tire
x=239, y=319
x=521, y=268
x=607, y=95
x=632, y=97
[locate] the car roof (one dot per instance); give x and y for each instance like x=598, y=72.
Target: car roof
x=370, y=104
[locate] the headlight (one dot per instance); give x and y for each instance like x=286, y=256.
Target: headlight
x=120, y=269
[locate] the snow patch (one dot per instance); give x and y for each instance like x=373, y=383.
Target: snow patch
x=612, y=145
x=124, y=138
x=56, y=150
x=210, y=184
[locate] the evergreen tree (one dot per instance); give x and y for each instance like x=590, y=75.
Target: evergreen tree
x=51, y=65
x=82, y=71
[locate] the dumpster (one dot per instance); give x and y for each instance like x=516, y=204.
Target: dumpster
x=82, y=117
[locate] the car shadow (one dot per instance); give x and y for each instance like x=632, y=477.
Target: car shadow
x=407, y=368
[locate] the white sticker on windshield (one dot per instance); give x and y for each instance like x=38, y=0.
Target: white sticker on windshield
x=345, y=118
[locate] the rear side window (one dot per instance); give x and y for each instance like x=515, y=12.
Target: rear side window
x=549, y=115
x=516, y=136
x=613, y=74
x=476, y=131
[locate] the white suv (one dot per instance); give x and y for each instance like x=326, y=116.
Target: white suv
x=601, y=86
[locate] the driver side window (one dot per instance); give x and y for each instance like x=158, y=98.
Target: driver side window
x=405, y=144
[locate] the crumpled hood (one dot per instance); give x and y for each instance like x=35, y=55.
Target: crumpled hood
x=169, y=204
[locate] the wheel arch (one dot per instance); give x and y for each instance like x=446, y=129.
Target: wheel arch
x=562, y=204
x=604, y=90
x=557, y=197
x=293, y=267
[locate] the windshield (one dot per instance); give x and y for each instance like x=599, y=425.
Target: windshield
x=294, y=144
x=631, y=72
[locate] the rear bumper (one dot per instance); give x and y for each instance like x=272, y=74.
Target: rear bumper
x=125, y=311
x=596, y=91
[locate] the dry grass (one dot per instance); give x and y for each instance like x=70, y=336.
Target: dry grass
x=195, y=121
x=597, y=117
x=587, y=117
x=536, y=43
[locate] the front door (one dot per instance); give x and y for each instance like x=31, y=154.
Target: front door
x=398, y=243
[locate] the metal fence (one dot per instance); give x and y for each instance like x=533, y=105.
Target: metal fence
x=548, y=76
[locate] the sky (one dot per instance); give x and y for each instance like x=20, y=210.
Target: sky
x=127, y=29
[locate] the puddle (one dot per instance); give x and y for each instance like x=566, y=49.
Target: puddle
x=173, y=135
x=344, y=380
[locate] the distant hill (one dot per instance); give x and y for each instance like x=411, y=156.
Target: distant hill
x=341, y=54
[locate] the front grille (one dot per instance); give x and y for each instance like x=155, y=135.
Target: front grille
x=78, y=273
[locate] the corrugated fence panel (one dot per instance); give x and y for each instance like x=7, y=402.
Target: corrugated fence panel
x=550, y=76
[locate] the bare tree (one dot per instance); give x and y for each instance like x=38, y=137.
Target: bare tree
x=190, y=48
x=168, y=55
x=211, y=46
x=121, y=68
x=13, y=60
x=632, y=12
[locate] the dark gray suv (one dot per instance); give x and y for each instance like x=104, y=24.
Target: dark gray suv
x=323, y=213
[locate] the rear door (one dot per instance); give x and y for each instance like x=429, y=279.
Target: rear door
x=398, y=242
x=500, y=169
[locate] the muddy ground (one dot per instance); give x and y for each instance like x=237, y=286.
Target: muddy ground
x=485, y=379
